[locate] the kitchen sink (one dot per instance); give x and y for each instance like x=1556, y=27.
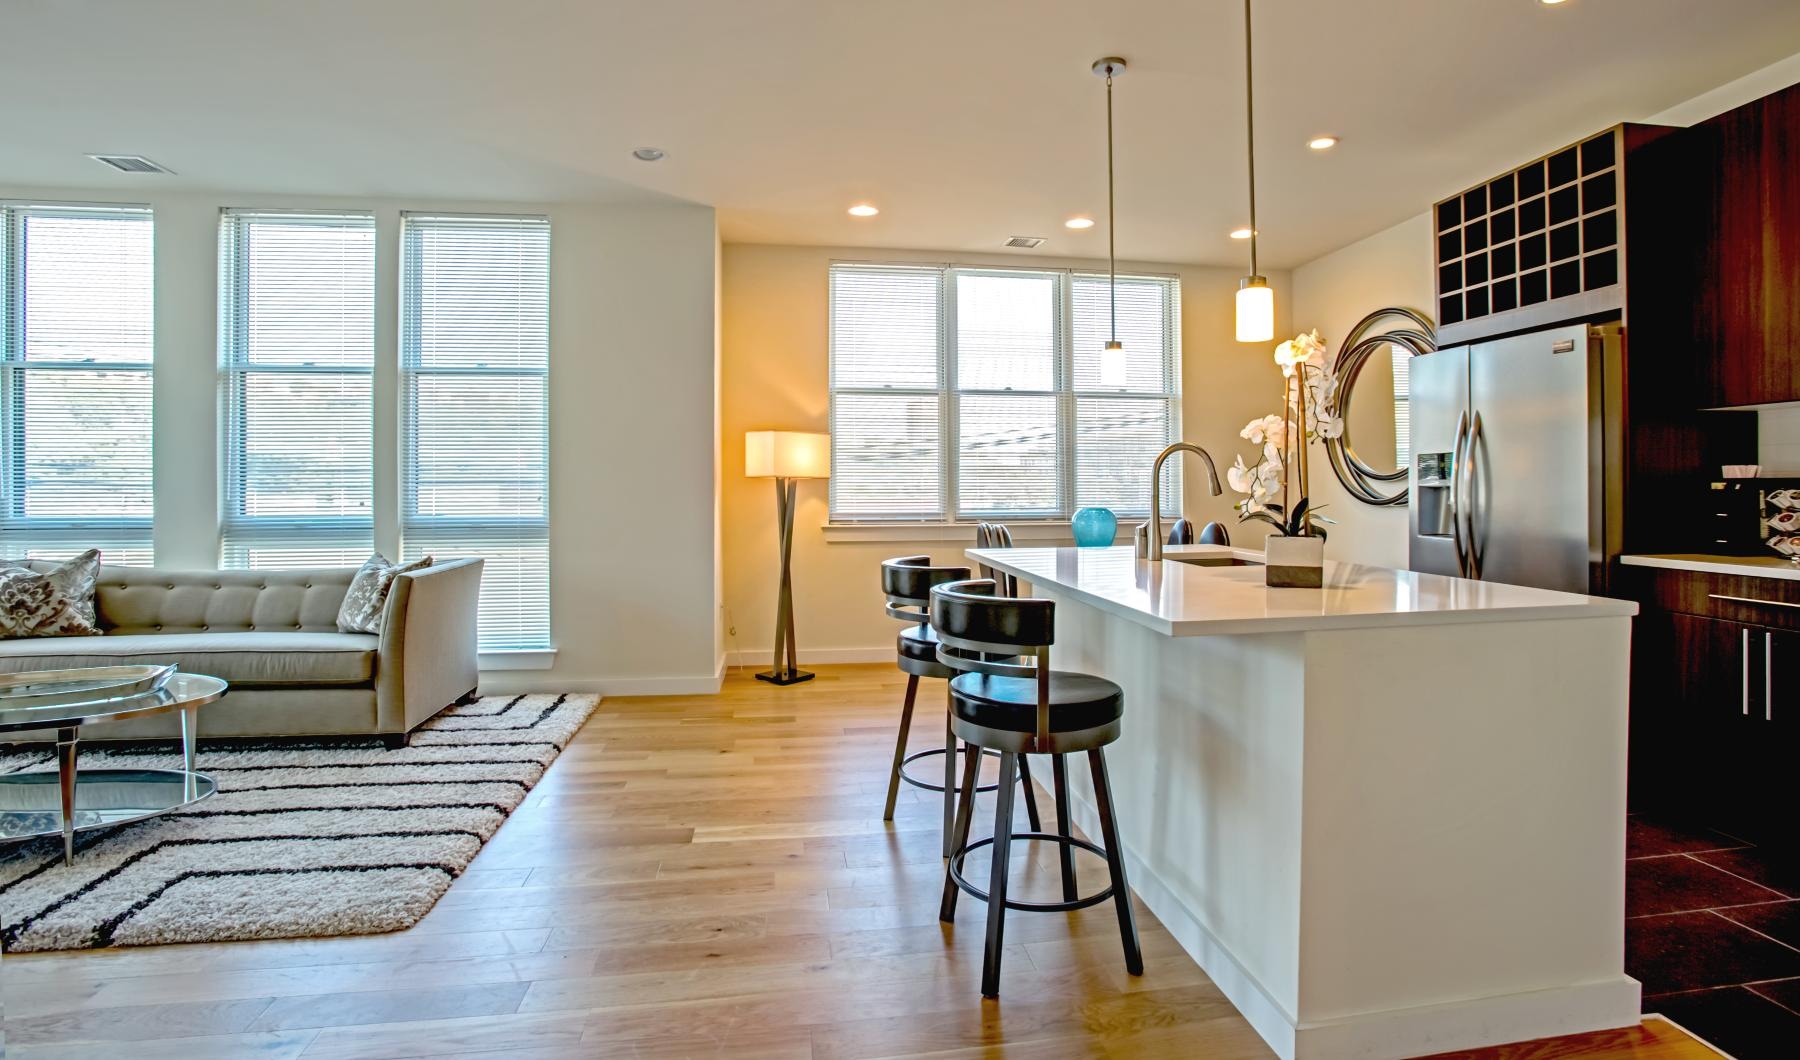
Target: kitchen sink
x=1203, y=560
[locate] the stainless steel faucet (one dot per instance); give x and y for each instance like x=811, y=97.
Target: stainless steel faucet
x=1153, y=550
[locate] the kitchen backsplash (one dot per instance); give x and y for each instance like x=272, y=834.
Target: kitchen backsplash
x=1778, y=441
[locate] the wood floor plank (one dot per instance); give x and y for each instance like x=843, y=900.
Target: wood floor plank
x=696, y=876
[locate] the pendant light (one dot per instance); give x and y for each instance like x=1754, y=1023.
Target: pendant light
x=1255, y=299
x=1112, y=355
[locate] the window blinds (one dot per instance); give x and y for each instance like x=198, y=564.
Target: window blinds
x=297, y=342
x=475, y=345
x=968, y=393
x=76, y=356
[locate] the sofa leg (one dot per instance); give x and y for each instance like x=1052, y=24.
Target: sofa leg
x=396, y=740
x=470, y=696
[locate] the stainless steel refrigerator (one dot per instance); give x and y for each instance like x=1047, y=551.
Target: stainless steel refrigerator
x=1516, y=454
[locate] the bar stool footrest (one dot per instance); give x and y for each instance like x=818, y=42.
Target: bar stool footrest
x=973, y=891
x=926, y=784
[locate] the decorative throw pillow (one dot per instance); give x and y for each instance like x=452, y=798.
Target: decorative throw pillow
x=56, y=603
x=361, y=609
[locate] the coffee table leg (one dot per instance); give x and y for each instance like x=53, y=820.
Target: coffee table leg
x=66, y=742
x=190, y=731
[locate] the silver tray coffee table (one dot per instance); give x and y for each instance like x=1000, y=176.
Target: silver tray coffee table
x=69, y=800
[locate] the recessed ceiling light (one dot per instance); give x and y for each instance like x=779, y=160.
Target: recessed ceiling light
x=1079, y=222
x=1550, y=3
x=1322, y=143
x=648, y=154
x=1240, y=233
x=863, y=209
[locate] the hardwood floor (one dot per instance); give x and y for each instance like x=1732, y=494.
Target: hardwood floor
x=697, y=876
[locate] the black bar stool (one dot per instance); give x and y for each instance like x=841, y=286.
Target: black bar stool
x=907, y=581
x=1021, y=708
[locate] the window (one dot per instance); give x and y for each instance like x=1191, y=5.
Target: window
x=76, y=353
x=475, y=346
x=1402, y=361
x=297, y=342
x=969, y=393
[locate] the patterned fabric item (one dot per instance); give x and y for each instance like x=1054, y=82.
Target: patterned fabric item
x=361, y=610
x=56, y=603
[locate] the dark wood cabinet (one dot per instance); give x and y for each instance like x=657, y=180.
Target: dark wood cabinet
x=1715, y=703
x=1746, y=304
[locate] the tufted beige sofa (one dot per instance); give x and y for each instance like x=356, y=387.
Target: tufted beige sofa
x=273, y=635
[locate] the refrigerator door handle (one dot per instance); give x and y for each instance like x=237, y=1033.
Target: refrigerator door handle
x=1465, y=508
x=1457, y=458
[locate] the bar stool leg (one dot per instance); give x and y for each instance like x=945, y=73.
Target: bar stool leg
x=965, y=813
x=1115, y=863
x=949, y=772
x=1059, y=767
x=906, y=712
x=1031, y=810
x=1002, y=849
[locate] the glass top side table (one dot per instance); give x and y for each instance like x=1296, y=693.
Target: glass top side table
x=102, y=798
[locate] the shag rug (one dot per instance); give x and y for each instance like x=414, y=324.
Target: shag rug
x=302, y=839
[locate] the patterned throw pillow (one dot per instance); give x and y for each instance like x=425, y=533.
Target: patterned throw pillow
x=361, y=610
x=56, y=603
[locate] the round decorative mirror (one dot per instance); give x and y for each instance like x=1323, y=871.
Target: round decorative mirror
x=1370, y=474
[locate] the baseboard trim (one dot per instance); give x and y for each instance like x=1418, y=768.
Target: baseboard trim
x=507, y=683
x=1416, y=1031
x=815, y=656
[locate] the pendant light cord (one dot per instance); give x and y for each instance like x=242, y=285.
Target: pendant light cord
x=1112, y=267
x=1249, y=131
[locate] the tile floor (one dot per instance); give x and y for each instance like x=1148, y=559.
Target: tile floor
x=1712, y=930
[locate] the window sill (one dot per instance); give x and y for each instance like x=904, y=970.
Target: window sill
x=1037, y=532
x=524, y=659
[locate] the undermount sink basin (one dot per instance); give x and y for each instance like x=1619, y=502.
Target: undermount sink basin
x=1201, y=560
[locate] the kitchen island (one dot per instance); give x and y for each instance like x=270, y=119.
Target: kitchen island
x=1387, y=817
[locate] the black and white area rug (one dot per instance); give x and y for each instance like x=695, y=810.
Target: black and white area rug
x=302, y=839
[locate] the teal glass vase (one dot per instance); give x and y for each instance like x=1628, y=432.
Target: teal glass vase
x=1094, y=527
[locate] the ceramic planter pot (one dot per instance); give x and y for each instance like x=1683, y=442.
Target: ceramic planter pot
x=1294, y=562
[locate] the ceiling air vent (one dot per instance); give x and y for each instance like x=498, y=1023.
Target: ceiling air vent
x=1026, y=242
x=130, y=163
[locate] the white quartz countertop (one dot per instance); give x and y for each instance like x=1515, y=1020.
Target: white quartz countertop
x=1186, y=600
x=1769, y=566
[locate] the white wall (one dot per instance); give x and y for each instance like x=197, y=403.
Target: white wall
x=633, y=422
x=775, y=375
x=1390, y=268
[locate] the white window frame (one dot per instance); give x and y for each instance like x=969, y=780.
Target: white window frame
x=1063, y=390
x=350, y=534
x=52, y=537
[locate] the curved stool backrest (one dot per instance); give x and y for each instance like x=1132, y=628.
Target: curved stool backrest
x=981, y=632
x=996, y=535
x=907, y=582
x=1215, y=534
x=1182, y=533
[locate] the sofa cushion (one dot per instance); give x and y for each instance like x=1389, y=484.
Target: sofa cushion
x=246, y=660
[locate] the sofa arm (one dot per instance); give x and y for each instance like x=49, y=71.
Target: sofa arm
x=428, y=654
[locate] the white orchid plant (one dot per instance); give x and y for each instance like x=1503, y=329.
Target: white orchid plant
x=1275, y=487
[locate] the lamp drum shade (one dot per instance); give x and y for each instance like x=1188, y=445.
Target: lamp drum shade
x=786, y=454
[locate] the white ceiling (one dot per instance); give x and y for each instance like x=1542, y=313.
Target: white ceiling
x=966, y=121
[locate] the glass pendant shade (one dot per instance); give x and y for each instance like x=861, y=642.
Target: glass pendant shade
x=1255, y=310
x=1112, y=364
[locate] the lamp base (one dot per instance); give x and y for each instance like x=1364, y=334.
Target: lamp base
x=784, y=677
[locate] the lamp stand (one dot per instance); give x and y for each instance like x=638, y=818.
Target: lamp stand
x=790, y=673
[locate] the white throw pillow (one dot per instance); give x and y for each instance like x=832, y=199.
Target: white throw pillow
x=362, y=606
x=56, y=603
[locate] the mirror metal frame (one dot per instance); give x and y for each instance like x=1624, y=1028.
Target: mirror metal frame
x=1417, y=335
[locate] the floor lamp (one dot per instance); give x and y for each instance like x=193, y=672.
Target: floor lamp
x=786, y=457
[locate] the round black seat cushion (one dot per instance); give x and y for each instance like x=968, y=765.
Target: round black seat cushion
x=918, y=643
x=1077, y=701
